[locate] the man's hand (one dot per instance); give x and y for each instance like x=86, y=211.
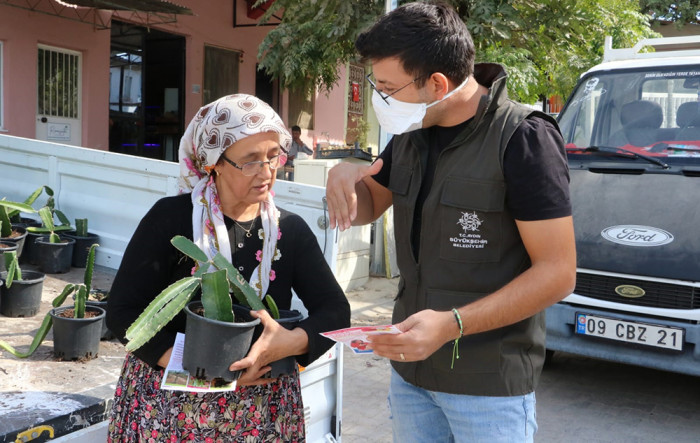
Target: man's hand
x=423, y=333
x=341, y=194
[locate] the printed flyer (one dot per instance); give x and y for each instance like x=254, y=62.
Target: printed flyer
x=356, y=338
x=175, y=378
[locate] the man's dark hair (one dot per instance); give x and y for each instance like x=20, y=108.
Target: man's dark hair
x=426, y=37
x=296, y=128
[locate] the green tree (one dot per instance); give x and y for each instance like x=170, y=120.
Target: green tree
x=682, y=12
x=544, y=44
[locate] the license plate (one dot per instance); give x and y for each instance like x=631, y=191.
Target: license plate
x=632, y=332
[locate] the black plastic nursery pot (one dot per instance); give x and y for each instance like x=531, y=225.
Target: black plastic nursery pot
x=106, y=333
x=77, y=338
x=29, y=254
x=6, y=247
x=289, y=320
x=54, y=258
x=19, y=238
x=81, y=248
x=211, y=346
x=23, y=298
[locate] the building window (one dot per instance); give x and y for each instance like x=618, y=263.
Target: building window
x=59, y=83
x=2, y=125
x=220, y=73
x=301, y=108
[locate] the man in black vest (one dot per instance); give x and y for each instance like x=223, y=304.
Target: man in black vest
x=484, y=234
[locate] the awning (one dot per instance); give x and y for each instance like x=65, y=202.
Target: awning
x=98, y=12
x=162, y=6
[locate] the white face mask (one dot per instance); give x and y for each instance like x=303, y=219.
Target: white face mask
x=397, y=117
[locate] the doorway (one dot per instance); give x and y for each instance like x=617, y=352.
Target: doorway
x=146, y=94
x=59, y=90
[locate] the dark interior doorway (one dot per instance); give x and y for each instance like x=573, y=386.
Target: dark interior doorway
x=267, y=89
x=146, y=99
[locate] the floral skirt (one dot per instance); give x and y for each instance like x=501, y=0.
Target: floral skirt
x=142, y=412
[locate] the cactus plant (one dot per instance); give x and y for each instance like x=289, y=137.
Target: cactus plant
x=7, y=210
x=81, y=227
x=216, y=301
x=48, y=227
x=81, y=290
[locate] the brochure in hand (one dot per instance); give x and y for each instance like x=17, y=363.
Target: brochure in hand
x=356, y=338
x=175, y=378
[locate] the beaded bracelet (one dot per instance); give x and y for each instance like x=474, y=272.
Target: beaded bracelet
x=455, y=349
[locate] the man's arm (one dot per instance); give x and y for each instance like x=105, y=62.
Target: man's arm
x=354, y=198
x=552, y=276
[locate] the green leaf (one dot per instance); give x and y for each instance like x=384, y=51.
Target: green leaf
x=187, y=247
x=46, y=218
x=80, y=297
x=38, y=338
x=215, y=297
x=160, y=311
x=32, y=198
x=63, y=219
x=89, y=266
x=67, y=290
x=12, y=268
x=272, y=307
x=240, y=287
x=22, y=207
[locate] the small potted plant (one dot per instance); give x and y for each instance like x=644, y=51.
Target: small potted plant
x=76, y=328
x=53, y=253
x=20, y=295
x=10, y=233
x=31, y=254
x=83, y=241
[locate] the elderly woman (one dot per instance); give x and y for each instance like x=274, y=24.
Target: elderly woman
x=228, y=158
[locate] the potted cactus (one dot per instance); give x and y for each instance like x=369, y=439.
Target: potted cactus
x=10, y=233
x=20, y=295
x=214, y=316
x=83, y=241
x=53, y=253
x=76, y=328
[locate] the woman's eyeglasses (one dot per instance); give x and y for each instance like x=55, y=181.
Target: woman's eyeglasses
x=385, y=96
x=253, y=168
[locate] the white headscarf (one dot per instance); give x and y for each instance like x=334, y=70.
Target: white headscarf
x=216, y=127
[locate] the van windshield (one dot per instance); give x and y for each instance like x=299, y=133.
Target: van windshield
x=653, y=112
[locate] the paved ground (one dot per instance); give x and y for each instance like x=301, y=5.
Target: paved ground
x=578, y=398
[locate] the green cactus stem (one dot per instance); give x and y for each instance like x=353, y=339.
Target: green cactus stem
x=81, y=227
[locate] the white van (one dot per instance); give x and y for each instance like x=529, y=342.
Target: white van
x=632, y=133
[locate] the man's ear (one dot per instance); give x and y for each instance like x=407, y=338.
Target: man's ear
x=438, y=84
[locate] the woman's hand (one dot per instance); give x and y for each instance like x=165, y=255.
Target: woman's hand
x=275, y=343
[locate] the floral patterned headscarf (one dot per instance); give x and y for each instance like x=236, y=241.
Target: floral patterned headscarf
x=214, y=129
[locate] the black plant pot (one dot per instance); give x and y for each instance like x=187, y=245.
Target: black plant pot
x=289, y=320
x=77, y=338
x=23, y=298
x=54, y=258
x=211, y=346
x=19, y=239
x=106, y=333
x=81, y=247
x=29, y=255
x=6, y=247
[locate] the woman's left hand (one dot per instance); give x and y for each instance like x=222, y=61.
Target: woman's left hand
x=275, y=343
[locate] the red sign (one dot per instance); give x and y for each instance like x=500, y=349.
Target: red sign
x=355, y=91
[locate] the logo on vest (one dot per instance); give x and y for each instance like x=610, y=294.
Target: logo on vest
x=470, y=238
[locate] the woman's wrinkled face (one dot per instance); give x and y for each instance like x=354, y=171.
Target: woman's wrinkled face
x=232, y=183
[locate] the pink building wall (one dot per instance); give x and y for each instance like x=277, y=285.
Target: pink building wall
x=21, y=31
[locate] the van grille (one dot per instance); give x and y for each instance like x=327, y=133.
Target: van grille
x=657, y=295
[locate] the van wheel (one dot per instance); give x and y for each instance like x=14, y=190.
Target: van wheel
x=548, y=356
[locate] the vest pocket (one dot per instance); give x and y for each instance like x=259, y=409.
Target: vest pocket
x=478, y=353
x=471, y=213
x=400, y=179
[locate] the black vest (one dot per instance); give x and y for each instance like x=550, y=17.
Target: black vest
x=469, y=248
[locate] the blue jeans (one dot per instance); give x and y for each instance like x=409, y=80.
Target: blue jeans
x=419, y=415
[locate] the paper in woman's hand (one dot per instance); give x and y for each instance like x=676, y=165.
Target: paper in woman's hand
x=356, y=338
